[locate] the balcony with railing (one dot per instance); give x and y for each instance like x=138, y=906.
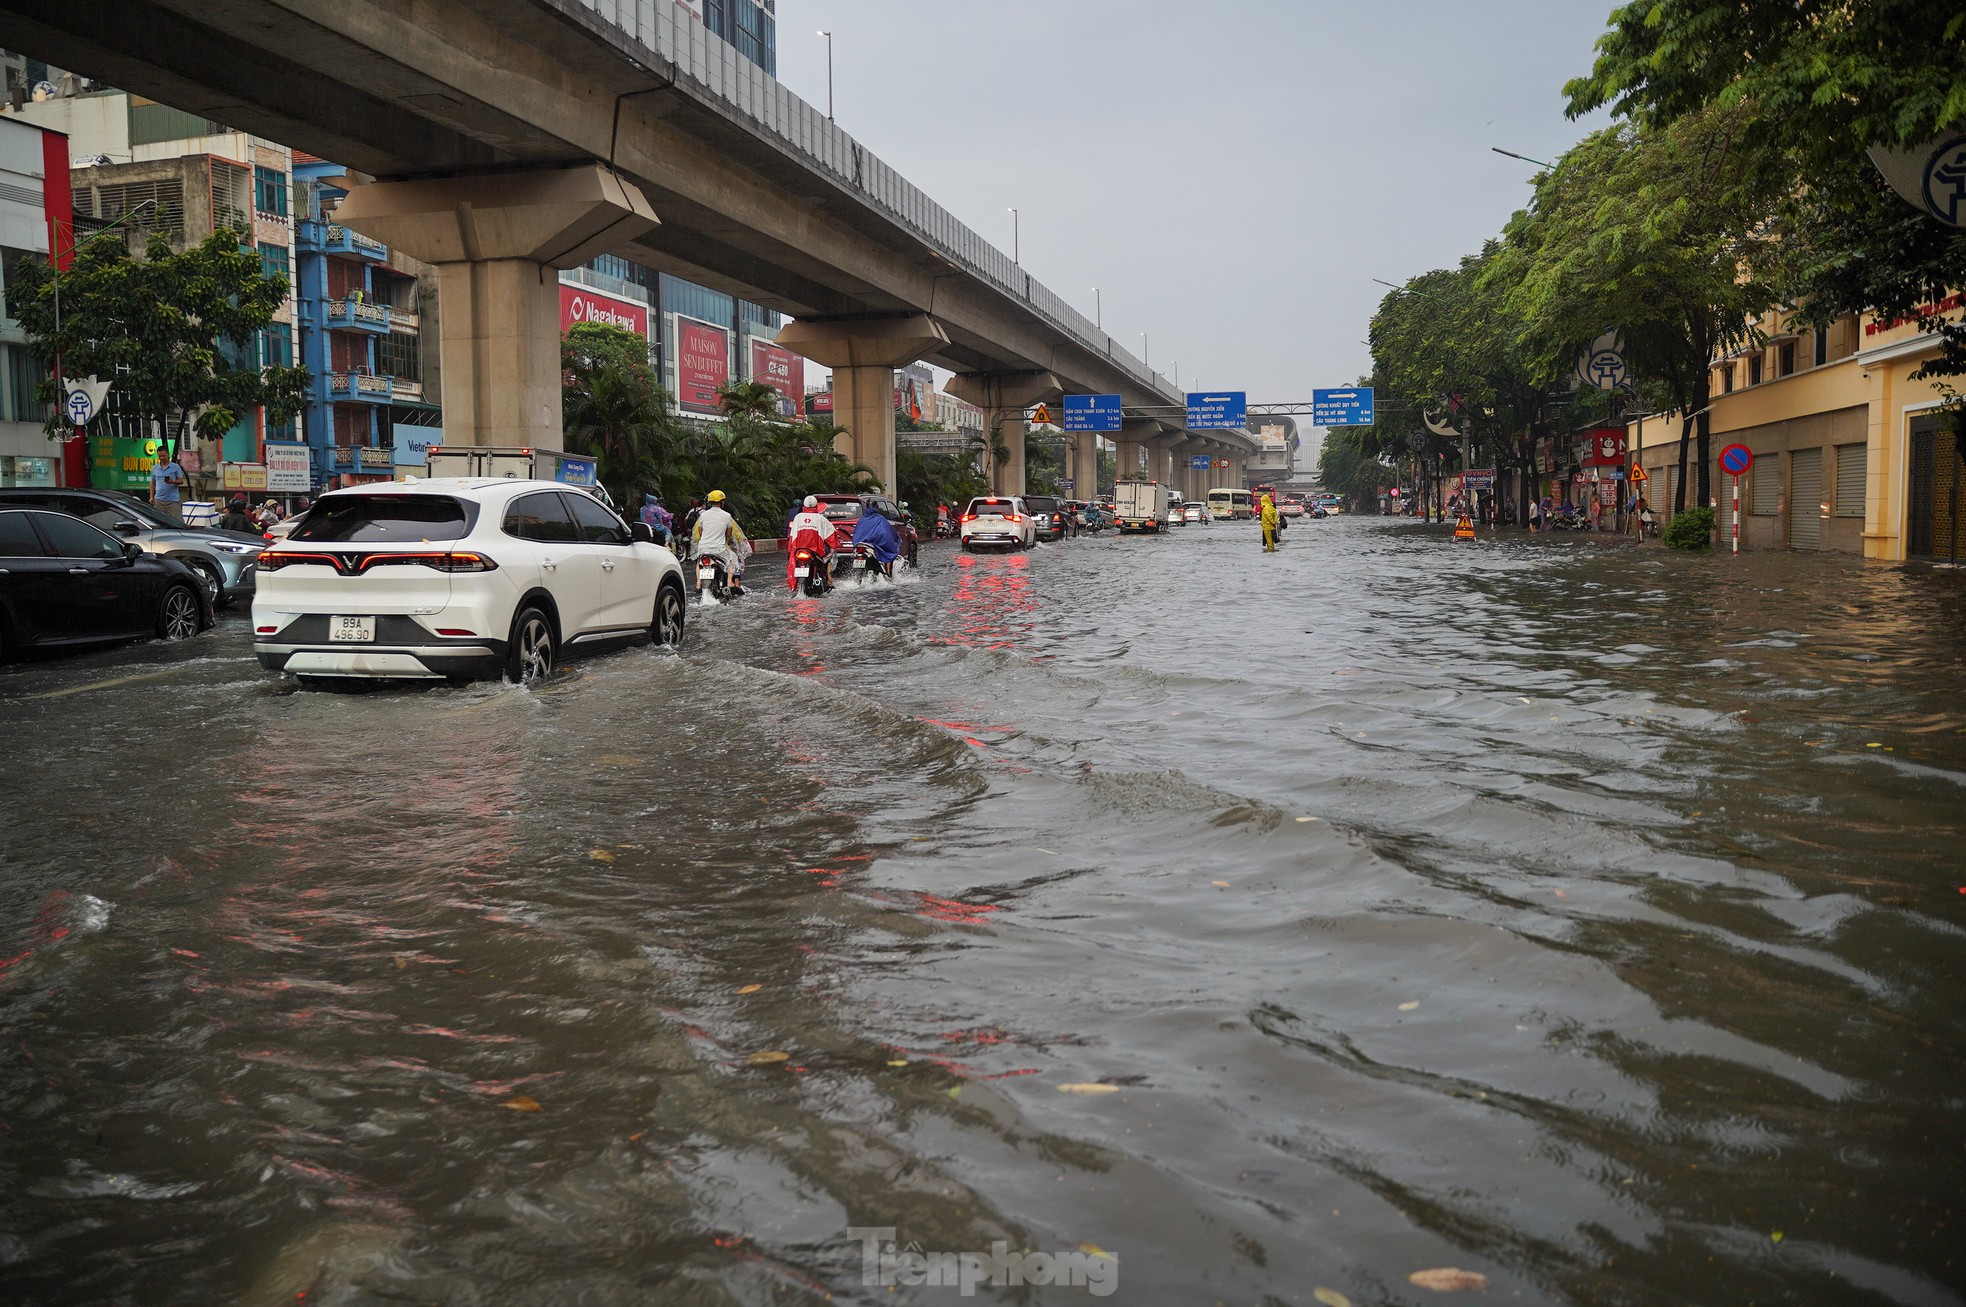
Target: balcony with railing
x=313, y=236
x=355, y=315
x=361, y=387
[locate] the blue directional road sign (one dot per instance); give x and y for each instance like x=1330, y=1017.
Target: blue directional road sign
x=1200, y=462
x=1227, y=408
x=1092, y=412
x=1342, y=408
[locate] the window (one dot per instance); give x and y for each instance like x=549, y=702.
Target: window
x=276, y=346
x=1785, y=358
x=540, y=517
x=386, y=519
x=1754, y=368
x=597, y=525
x=23, y=378
x=1765, y=486
x=17, y=538
x=396, y=356
x=273, y=261
x=1822, y=346
x=74, y=538
x=1851, y=469
x=1727, y=378
x=270, y=191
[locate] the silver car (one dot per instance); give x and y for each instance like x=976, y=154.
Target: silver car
x=226, y=561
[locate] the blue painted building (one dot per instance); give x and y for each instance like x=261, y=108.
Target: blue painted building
x=361, y=338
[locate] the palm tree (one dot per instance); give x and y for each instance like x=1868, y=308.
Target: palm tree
x=615, y=415
x=748, y=399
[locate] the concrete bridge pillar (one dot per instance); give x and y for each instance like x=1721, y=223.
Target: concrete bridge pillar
x=496, y=241
x=1086, y=474
x=1005, y=397
x=863, y=354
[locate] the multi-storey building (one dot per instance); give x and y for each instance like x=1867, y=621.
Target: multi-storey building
x=34, y=219
x=1850, y=453
x=360, y=311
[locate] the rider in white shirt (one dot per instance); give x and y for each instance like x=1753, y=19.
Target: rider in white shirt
x=717, y=535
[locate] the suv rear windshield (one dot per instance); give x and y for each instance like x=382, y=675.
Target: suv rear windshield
x=1041, y=503
x=386, y=519
x=842, y=510
x=998, y=506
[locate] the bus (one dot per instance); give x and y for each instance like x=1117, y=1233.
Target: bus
x=1225, y=505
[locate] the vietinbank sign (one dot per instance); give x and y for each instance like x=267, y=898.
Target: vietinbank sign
x=580, y=304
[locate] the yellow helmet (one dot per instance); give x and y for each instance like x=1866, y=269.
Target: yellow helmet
x=716, y=496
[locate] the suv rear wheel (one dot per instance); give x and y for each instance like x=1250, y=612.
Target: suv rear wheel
x=530, y=655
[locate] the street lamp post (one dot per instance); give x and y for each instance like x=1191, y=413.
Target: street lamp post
x=829, y=75
x=1098, y=310
x=1143, y=352
x=1016, y=239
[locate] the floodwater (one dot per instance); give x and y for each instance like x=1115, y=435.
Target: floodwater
x=1585, y=918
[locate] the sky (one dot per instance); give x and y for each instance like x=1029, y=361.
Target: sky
x=1231, y=175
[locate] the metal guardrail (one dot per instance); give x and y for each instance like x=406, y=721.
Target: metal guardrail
x=658, y=32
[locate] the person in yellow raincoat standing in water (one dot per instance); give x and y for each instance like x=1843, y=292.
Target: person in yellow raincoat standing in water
x=1269, y=524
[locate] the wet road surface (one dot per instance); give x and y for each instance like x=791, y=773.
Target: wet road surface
x=1585, y=918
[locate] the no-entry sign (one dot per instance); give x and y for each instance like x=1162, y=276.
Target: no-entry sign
x=1735, y=460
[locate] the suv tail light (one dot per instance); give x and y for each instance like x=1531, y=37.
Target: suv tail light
x=1012, y=517
x=969, y=517
x=448, y=561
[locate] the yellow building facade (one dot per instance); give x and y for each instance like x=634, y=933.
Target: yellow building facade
x=1850, y=453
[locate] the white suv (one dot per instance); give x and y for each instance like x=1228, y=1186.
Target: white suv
x=459, y=578
x=998, y=520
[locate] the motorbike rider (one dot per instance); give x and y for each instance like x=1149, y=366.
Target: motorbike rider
x=657, y=518
x=237, y=518
x=877, y=532
x=808, y=529
x=716, y=534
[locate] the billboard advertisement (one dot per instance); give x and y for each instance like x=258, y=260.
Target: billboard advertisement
x=820, y=401
x=702, y=364
x=784, y=372
x=580, y=304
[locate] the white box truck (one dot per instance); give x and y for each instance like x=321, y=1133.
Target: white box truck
x=519, y=463
x=1141, y=505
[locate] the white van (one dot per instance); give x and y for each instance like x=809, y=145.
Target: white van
x=1225, y=505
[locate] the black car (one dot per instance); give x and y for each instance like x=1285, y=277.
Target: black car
x=65, y=583
x=224, y=561
x=1048, y=515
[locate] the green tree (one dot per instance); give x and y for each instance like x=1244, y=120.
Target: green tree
x=165, y=328
x=612, y=408
x=748, y=399
x=1448, y=342
x=1654, y=232
x=1824, y=81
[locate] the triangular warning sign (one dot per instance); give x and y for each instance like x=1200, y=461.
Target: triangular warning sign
x=1042, y=417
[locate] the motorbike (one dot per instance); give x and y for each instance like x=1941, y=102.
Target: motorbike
x=811, y=573
x=868, y=564
x=713, y=578
x=944, y=529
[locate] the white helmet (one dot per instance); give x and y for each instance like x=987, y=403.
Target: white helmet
x=812, y=501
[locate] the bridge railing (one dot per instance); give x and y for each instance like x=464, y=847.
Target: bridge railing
x=714, y=70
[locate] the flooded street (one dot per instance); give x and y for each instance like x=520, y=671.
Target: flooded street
x=1584, y=917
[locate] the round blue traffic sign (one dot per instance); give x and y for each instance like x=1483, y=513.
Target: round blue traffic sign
x=1735, y=460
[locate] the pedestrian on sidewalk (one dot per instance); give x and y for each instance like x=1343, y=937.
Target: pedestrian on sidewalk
x=167, y=484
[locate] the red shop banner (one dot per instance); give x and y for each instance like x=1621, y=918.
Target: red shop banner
x=1606, y=447
x=580, y=304
x=783, y=371
x=820, y=401
x=702, y=364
